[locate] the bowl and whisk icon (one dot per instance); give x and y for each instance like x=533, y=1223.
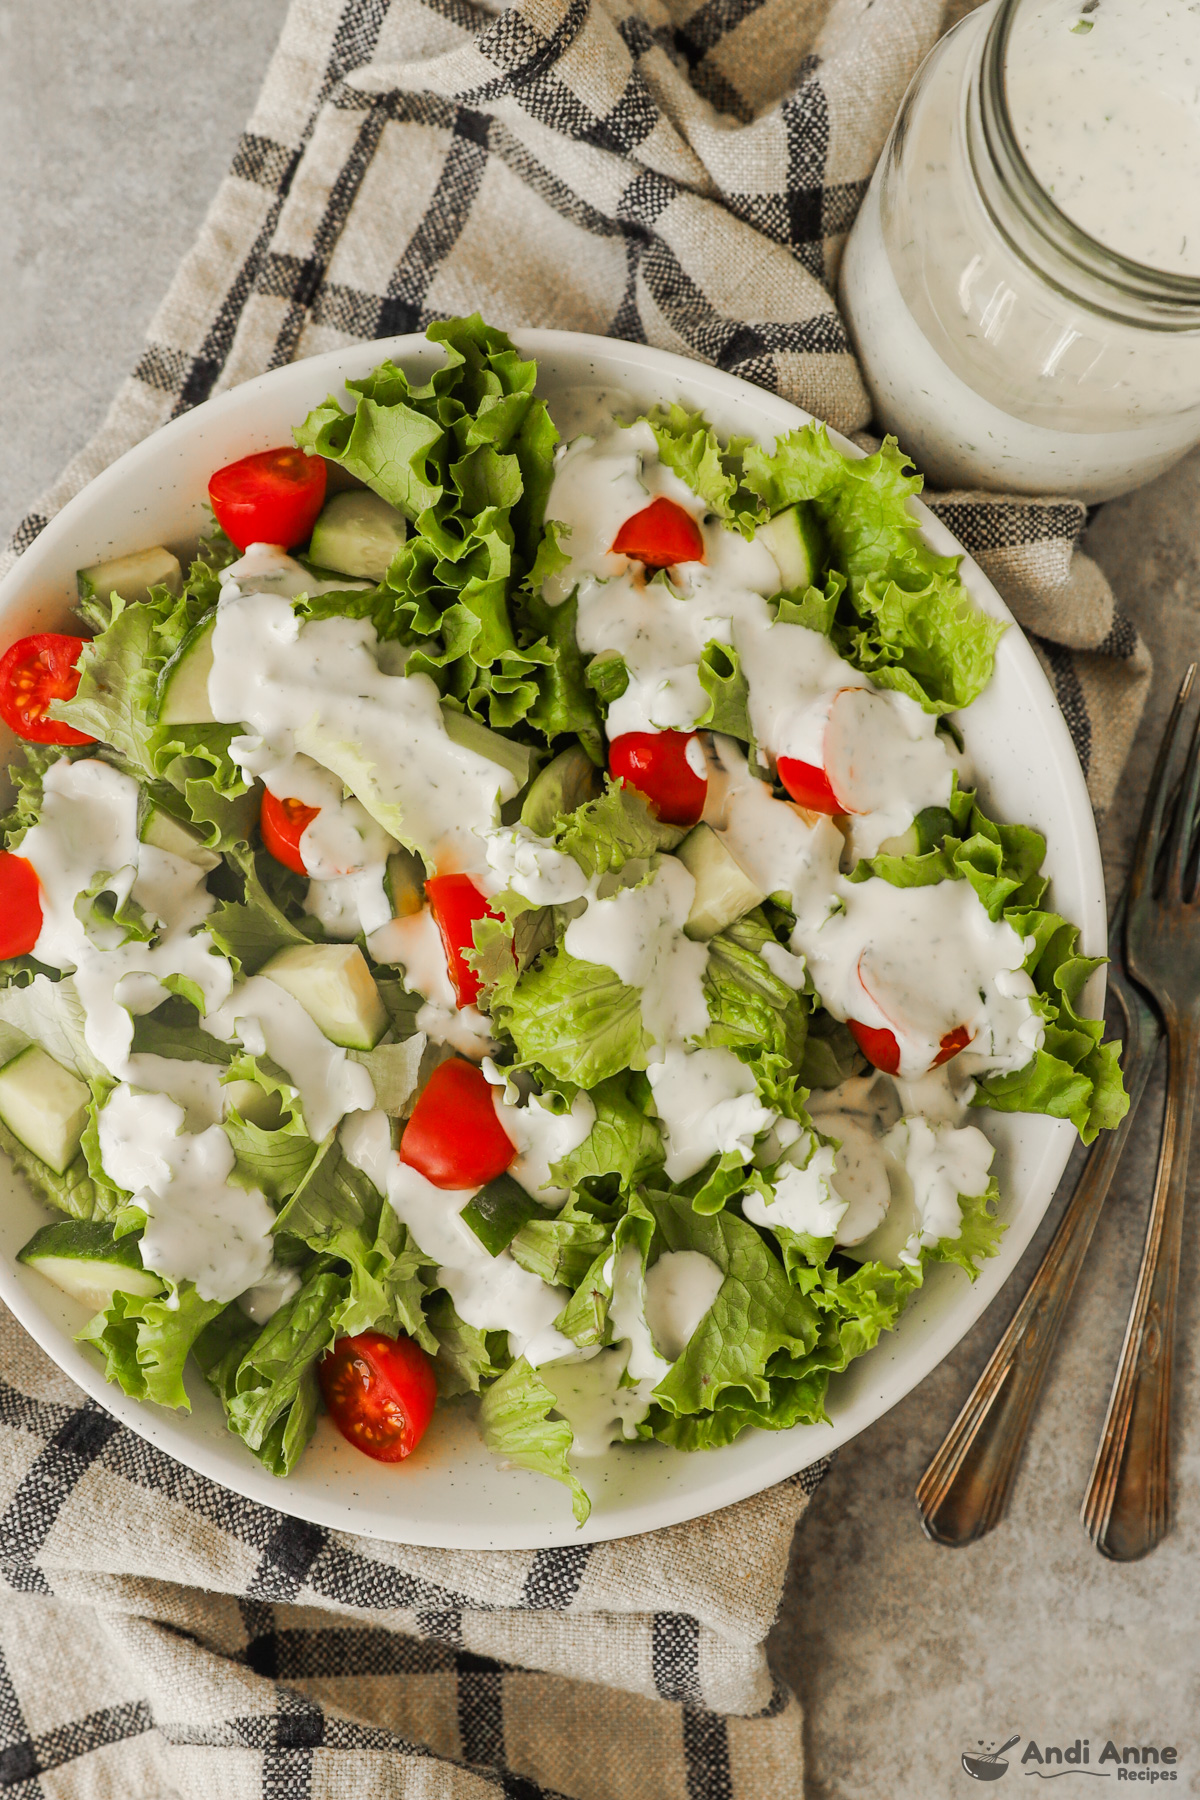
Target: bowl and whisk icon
x=988, y=1766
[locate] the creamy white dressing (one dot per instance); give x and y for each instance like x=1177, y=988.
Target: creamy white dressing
x=493, y=1293
x=264, y=1300
x=942, y=1162
x=200, y=1225
x=541, y=1135
x=88, y=828
x=317, y=688
x=805, y=1198
x=268, y=1021
x=886, y=761
x=414, y=944
x=783, y=850
x=707, y=1103
x=921, y=963
x=680, y=1289
x=532, y=867
x=627, y=1316
x=638, y=934
x=268, y=569
x=589, y=1395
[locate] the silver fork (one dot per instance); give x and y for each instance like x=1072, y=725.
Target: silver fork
x=1127, y=1508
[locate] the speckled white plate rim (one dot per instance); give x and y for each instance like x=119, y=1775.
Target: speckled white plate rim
x=466, y=1500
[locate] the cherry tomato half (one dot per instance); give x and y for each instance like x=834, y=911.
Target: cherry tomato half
x=272, y=497
x=283, y=823
x=454, y=1138
x=661, y=534
x=809, y=786
x=380, y=1392
x=456, y=903
x=881, y=1049
x=658, y=765
x=33, y=672
x=20, y=906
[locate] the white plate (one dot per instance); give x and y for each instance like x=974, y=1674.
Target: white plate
x=453, y=1493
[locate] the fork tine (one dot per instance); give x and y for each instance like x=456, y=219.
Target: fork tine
x=1145, y=856
x=1183, y=825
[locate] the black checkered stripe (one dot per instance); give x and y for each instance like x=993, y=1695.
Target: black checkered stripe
x=300, y=1562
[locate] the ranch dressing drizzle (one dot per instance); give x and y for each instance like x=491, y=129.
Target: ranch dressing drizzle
x=775, y=844
x=707, y=1103
x=680, y=1289
x=270, y=1022
x=318, y=688
x=541, y=1135
x=1106, y=104
x=922, y=962
x=414, y=944
x=88, y=827
x=200, y=1225
x=638, y=934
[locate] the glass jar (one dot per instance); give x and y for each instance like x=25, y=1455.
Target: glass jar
x=1004, y=346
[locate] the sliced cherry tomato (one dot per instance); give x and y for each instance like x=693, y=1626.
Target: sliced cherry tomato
x=952, y=1043
x=808, y=785
x=661, y=534
x=283, y=823
x=454, y=1138
x=457, y=903
x=658, y=765
x=33, y=672
x=878, y=1045
x=380, y=1392
x=272, y=497
x=20, y=906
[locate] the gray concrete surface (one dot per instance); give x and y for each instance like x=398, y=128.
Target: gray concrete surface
x=117, y=119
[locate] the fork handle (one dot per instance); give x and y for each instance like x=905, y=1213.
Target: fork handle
x=1127, y=1508
x=965, y=1490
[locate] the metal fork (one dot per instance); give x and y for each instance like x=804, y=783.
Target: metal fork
x=1127, y=1508
x=965, y=1491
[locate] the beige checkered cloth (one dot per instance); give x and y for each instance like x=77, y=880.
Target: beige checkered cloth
x=673, y=173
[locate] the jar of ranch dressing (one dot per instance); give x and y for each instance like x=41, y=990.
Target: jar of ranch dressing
x=1023, y=281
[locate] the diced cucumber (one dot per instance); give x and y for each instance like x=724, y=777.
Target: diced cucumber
x=567, y=782
x=165, y=832
x=85, y=1260
x=926, y=832
x=404, y=883
x=334, y=986
x=44, y=1105
x=469, y=734
x=724, y=891
x=357, y=533
x=252, y=1103
x=131, y=576
x=795, y=540
x=498, y=1211
x=183, y=684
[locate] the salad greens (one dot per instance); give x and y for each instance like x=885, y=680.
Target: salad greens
x=467, y=455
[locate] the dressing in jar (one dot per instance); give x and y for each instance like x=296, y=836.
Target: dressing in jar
x=1022, y=283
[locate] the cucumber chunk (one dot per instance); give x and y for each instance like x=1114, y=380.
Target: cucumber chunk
x=44, y=1105
x=794, y=539
x=498, y=1211
x=183, y=684
x=335, y=987
x=469, y=734
x=569, y=781
x=357, y=533
x=931, y=825
x=404, y=883
x=131, y=576
x=724, y=891
x=165, y=832
x=85, y=1260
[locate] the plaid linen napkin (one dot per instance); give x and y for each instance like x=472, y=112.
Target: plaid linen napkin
x=670, y=173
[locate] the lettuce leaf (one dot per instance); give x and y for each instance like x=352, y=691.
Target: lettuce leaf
x=514, y=1416
x=466, y=1356
x=625, y=1143
x=576, y=1020
x=561, y=1247
x=750, y=1006
x=73, y=1192
x=272, y=1397
x=689, y=446
x=337, y=1211
x=467, y=456
x=146, y=1342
